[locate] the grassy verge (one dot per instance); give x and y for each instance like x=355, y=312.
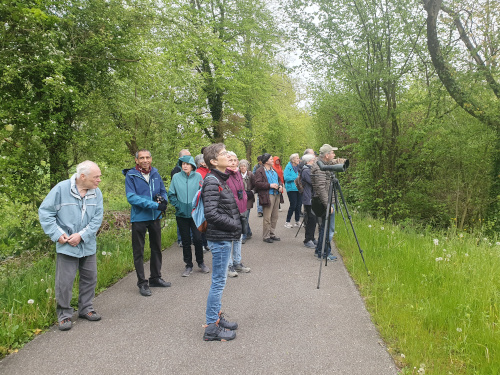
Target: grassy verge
x=434, y=298
x=27, y=304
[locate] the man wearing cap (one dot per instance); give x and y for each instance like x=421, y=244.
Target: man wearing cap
x=269, y=190
x=321, y=185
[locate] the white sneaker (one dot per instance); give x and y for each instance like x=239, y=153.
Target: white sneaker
x=288, y=225
x=297, y=224
x=231, y=272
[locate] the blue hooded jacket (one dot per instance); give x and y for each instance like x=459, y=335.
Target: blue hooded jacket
x=140, y=194
x=64, y=211
x=183, y=188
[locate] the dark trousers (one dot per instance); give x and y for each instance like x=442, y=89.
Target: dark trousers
x=310, y=220
x=138, y=238
x=295, y=199
x=186, y=228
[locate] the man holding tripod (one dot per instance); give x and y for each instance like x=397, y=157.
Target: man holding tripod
x=321, y=186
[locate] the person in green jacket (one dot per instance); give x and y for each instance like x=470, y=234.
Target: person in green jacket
x=182, y=190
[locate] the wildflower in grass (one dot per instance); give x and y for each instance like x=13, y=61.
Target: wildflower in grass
x=48, y=290
x=381, y=228
x=444, y=250
x=436, y=241
x=402, y=355
x=41, y=280
x=497, y=243
x=103, y=253
x=459, y=329
x=461, y=235
x=438, y=259
x=369, y=226
x=466, y=254
x=31, y=302
x=485, y=239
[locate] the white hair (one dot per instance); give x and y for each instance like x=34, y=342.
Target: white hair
x=85, y=167
x=244, y=161
x=293, y=156
x=308, y=157
x=184, y=152
x=232, y=153
x=198, y=160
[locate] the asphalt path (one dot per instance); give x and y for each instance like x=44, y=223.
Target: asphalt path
x=286, y=324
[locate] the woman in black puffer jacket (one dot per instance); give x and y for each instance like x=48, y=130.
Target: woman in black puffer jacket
x=223, y=229
x=221, y=211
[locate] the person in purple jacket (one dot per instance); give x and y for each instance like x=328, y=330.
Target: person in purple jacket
x=235, y=183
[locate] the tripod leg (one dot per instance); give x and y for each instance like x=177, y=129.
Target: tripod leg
x=352, y=226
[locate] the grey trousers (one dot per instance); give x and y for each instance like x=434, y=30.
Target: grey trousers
x=66, y=268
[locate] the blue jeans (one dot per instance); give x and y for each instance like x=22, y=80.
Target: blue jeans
x=259, y=207
x=319, y=246
x=249, y=230
x=236, y=253
x=295, y=199
x=221, y=252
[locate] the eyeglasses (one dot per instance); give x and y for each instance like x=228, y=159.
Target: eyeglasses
x=222, y=153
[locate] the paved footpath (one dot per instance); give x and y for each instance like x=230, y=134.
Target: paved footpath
x=286, y=324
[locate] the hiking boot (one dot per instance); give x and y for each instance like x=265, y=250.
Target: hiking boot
x=310, y=245
x=225, y=324
x=65, y=324
x=231, y=272
x=241, y=268
x=91, y=315
x=288, y=225
x=144, y=290
x=187, y=271
x=204, y=268
x=159, y=283
x=274, y=238
x=268, y=240
x=214, y=332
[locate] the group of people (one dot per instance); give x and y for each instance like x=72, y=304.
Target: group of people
x=72, y=213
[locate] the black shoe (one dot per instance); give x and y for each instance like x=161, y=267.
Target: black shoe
x=144, y=290
x=214, y=332
x=226, y=324
x=243, y=240
x=160, y=282
x=274, y=238
x=268, y=240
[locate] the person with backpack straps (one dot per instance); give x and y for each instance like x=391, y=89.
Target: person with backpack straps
x=309, y=217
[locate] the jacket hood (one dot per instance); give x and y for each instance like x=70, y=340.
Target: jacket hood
x=276, y=158
x=186, y=159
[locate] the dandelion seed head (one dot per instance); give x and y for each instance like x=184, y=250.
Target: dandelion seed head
x=402, y=355
x=466, y=254
x=381, y=228
x=369, y=226
x=459, y=329
x=103, y=253
x=436, y=241
x=31, y=302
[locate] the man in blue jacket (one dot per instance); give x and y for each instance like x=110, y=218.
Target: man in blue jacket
x=71, y=215
x=143, y=185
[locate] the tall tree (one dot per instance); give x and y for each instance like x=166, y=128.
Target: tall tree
x=471, y=82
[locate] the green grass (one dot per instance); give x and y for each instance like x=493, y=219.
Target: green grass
x=27, y=304
x=434, y=298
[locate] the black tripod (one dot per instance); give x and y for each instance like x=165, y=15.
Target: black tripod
x=334, y=188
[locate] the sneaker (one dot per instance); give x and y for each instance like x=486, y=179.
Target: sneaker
x=159, y=283
x=274, y=238
x=214, y=332
x=260, y=214
x=315, y=242
x=288, y=225
x=332, y=257
x=225, y=324
x=243, y=240
x=297, y=224
x=206, y=249
x=144, y=290
x=268, y=240
x=91, y=315
x=310, y=245
x=65, y=324
x=187, y=272
x=240, y=268
x=231, y=272
x=204, y=268
x=179, y=243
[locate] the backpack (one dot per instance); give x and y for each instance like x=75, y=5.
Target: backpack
x=298, y=184
x=198, y=212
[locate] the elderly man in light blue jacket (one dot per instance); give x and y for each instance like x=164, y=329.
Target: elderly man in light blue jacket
x=71, y=215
